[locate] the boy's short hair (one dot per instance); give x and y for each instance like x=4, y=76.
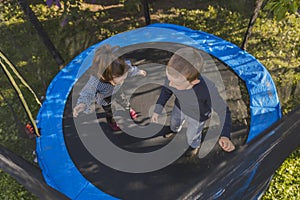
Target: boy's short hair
x=188, y=62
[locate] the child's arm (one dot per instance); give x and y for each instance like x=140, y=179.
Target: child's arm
x=164, y=96
x=224, y=140
x=224, y=113
x=216, y=102
x=87, y=96
x=135, y=71
x=78, y=109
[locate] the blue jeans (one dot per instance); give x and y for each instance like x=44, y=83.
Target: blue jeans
x=194, y=127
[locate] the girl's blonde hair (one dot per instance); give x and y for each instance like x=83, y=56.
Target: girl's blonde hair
x=186, y=61
x=108, y=64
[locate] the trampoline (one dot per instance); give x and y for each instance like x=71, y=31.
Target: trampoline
x=71, y=168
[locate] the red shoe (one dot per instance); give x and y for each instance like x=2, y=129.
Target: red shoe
x=114, y=126
x=132, y=113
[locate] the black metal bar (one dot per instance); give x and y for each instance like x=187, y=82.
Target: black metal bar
x=28, y=175
x=252, y=20
x=247, y=174
x=41, y=32
x=146, y=12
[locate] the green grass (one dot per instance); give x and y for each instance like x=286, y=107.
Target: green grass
x=10, y=189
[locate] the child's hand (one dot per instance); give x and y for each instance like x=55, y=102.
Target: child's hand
x=78, y=109
x=142, y=73
x=154, y=118
x=226, y=144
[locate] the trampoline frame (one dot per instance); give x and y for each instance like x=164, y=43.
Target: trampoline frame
x=57, y=167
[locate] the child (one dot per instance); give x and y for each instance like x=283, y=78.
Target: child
x=193, y=103
x=112, y=71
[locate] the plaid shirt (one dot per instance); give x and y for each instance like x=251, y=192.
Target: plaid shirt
x=97, y=91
